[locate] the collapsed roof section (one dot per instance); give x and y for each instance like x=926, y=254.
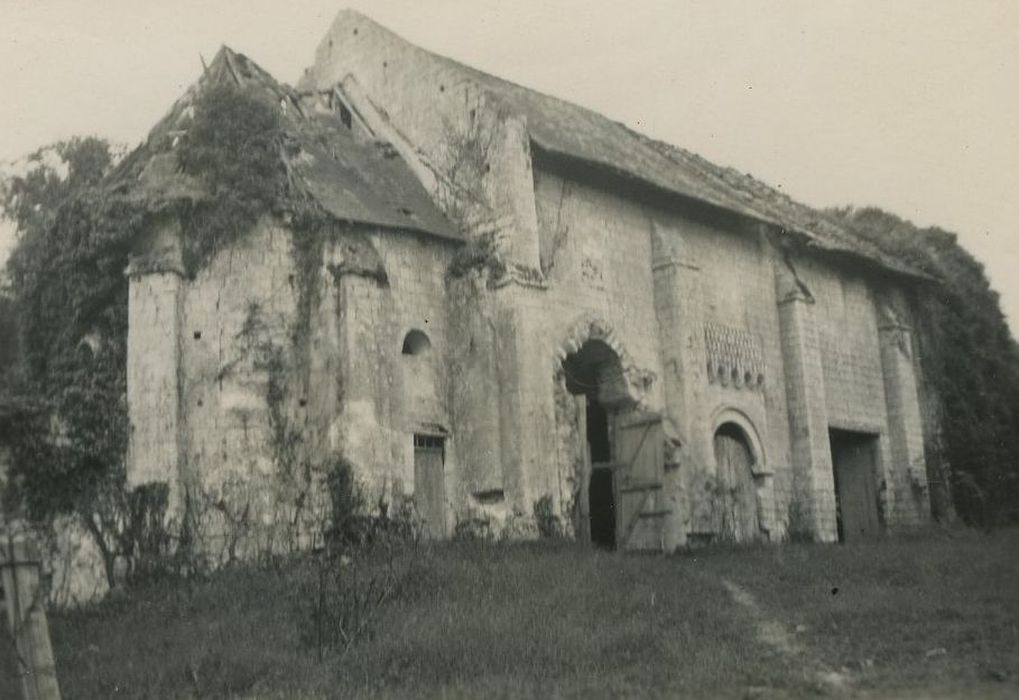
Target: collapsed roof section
x=352, y=179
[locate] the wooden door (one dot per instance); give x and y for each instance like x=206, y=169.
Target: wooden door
x=430, y=485
x=736, y=499
x=853, y=460
x=639, y=467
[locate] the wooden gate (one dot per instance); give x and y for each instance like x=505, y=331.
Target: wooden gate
x=639, y=470
x=430, y=485
x=736, y=498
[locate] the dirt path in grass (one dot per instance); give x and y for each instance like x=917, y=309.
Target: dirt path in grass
x=774, y=635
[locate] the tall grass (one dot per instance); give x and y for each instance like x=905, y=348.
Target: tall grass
x=553, y=619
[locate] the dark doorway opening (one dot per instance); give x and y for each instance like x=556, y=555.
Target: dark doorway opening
x=602, y=492
x=854, y=462
x=598, y=431
x=603, y=507
x=592, y=372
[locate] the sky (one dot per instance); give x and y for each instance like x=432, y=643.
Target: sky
x=909, y=106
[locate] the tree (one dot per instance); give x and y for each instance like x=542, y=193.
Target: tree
x=68, y=428
x=69, y=294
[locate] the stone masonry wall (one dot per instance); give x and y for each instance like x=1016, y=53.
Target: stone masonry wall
x=733, y=364
x=723, y=359
x=598, y=252
x=238, y=311
x=388, y=396
x=221, y=345
x=154, y=360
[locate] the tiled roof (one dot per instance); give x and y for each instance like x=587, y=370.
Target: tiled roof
x=566, y=129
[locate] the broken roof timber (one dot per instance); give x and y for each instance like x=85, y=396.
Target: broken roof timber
x=351, y=179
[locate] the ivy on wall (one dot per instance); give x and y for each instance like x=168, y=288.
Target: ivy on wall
x=69, y=430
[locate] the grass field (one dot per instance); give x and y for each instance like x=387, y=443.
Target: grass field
x=934, y=615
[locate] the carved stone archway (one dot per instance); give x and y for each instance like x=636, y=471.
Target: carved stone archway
x=595, y=380
x=635, y=383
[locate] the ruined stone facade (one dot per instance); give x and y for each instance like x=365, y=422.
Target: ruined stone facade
x=649, y=357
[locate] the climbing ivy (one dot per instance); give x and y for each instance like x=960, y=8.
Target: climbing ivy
x=233, y=146
x=70, y=298
x=69, y=292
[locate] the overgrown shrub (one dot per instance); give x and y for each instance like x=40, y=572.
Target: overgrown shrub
x=234, y=146
x=365, y=565
x=545, y=518
x=473, y=527
x=479, y=253
x=69, y=293
x=799, y=526
x=339, y=601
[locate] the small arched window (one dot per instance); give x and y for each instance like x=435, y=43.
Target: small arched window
x=416, y=343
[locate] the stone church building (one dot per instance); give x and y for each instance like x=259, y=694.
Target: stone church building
x=524, y=313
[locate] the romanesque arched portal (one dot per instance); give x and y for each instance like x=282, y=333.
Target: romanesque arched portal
x=598, y=389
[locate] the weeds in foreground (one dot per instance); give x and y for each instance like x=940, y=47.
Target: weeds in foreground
x=549, y=618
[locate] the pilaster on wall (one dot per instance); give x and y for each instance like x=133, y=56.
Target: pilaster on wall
x=155, y=310
x=362, y=430
x=678, y=299
x=909, y=502
x=814, y=483
x=526, y=400
x=677, y=302
x=511, y=191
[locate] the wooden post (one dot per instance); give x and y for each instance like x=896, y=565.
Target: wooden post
x=19, y=569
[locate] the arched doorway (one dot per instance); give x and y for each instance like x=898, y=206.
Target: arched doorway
x=736, y=494
x=594, y=375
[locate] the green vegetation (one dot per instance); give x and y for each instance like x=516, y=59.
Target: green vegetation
x=234, y=146
x=970, y=360
x=66, y=394
x=68, y=428
x=931, y=615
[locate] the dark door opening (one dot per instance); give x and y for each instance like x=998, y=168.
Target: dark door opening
x=598, y=432
x=853, y=457
x=594, y=372
x=602, y=490
x=603, y=507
